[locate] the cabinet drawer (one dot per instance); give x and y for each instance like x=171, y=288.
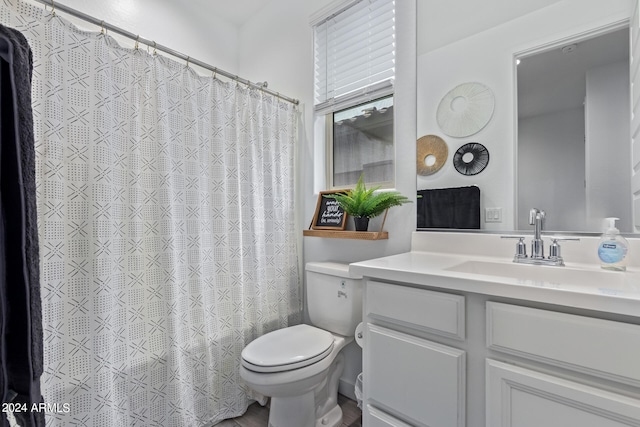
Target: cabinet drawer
x=420, y=379
x=435, y=312
x=598, y=347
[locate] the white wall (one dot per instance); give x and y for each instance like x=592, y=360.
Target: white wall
x=487, y=58
x=277, y=46
x=186, y=26
x=551, y=159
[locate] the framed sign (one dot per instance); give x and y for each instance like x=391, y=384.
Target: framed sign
x=329, y=215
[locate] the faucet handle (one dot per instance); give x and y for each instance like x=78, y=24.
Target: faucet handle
x=554, y=249
x=521, y=246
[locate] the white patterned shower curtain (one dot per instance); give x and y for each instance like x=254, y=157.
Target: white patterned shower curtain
x=167, y=240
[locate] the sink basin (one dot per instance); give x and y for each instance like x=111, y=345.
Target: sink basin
x=540, y=275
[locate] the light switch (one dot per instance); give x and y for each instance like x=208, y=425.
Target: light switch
x=493, y=215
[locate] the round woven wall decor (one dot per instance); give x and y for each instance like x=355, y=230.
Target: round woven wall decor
x=431, y=154
x=465, y=109
x=471, y=158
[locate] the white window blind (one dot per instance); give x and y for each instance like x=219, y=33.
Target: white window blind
x=355, y=54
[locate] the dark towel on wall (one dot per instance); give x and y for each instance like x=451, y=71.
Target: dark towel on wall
x=449, y=208
x=20, y=305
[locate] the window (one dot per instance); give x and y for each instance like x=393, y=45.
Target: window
x=354, y=72
x=363, y=144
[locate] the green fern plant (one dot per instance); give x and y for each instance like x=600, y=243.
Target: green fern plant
x=361, y=202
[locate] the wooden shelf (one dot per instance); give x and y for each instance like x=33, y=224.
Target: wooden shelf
x=340, y=234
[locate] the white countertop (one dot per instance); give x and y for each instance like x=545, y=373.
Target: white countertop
x=580, y=285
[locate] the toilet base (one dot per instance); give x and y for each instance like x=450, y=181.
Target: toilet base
x=333, y=418
x=292, y=411
x=321, y=402
x=299, y=411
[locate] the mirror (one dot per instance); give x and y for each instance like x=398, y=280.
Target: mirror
x=529, y=165
x=573, y=143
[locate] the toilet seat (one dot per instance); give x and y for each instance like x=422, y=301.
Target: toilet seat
x=287, y=349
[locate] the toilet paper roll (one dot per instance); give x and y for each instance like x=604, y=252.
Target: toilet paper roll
x=360, y=334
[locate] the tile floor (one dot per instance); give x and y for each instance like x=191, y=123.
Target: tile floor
x=258, y=416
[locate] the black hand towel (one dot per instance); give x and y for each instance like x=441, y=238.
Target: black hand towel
x=457, y=207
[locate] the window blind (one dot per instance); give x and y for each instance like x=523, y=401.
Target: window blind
x=355, y=54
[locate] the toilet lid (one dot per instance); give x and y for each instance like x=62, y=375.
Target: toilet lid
x=286, y=349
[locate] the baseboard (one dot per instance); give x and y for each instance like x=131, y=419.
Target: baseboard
x=347, y=388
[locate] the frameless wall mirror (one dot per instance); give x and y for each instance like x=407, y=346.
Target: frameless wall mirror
x=573, y=139
x=566, y=154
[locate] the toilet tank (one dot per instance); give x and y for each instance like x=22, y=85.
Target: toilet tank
x=334, y=297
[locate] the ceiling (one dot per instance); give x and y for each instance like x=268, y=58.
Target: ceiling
x=443, y=22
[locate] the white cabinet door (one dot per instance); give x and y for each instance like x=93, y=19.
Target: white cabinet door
x=520, y=397
x=419, y=379
x=377, y=418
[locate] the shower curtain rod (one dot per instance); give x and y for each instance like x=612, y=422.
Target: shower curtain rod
x=57, y=6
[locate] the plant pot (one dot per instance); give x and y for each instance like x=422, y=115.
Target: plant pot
x=361, y=223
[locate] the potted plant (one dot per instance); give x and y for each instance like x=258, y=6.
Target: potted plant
x=362, y=203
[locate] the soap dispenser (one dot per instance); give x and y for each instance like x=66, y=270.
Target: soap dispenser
x=613, y=248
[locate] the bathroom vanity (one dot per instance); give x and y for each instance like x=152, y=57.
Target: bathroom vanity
x=453, y=338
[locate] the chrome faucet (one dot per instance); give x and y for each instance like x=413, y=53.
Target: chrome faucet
x=537, y=219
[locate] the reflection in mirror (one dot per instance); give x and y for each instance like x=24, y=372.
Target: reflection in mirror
x=481, y=48
x=573, y=133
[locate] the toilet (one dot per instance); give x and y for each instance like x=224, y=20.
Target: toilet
x=299, y=367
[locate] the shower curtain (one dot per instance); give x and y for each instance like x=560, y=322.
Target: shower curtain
x=165, y=217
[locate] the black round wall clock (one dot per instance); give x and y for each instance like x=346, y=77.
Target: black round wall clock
x=471, y=158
